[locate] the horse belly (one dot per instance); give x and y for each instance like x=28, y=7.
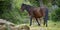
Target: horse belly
x=37, y=14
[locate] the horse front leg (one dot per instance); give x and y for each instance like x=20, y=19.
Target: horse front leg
x=30, y=20
x=38, y=22
x=44, y=22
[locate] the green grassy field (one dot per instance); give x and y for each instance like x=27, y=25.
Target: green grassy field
x=51, y=26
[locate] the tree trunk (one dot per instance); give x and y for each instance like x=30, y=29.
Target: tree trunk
x=41, y=2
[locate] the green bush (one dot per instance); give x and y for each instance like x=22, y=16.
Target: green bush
x=55, y=16
x=12, y=14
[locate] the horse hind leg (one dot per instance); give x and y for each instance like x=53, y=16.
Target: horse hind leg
x=38, y=22
x=46, y=23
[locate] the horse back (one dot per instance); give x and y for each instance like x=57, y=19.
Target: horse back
x=37, y=12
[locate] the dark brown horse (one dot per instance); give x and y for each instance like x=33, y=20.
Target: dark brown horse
x=35, y=12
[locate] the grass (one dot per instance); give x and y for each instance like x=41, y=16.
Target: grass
x=51, y=26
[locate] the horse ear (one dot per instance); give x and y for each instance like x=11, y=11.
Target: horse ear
x=23, y=4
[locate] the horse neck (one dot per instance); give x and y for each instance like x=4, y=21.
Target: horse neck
x=28, y=8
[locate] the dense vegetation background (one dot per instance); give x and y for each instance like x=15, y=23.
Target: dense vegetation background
x=10, y=10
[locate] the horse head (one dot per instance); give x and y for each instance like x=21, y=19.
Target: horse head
x=23, y=6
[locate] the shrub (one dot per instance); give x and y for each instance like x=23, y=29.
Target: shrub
x=55, y=16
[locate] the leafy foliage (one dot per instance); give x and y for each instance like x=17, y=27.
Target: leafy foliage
x=37, y=3
x=56, y=15
x=10, y=10
x=58, y=3
x=34, y=2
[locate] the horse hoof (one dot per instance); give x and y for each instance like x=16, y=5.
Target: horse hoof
x=30, y=25
x=39, y=25
x=46, y=26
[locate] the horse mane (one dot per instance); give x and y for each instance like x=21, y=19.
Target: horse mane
x=26, y=5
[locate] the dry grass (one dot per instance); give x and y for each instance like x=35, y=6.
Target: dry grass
x=51, y=26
